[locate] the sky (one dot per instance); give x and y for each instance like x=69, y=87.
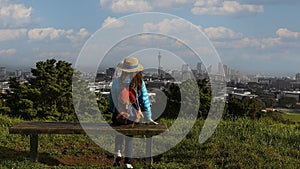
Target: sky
x=252, y=36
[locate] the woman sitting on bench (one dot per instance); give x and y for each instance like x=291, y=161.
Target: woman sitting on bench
x=130, y=111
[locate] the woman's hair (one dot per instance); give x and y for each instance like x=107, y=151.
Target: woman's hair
x=136, y=81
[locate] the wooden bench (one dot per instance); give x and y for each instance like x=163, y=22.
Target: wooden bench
x=35, y=128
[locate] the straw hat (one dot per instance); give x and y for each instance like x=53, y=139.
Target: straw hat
x=130, y=64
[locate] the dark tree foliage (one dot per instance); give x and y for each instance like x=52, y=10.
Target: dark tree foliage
x=175, y=98
x=48, y=95
x=17, y=102
x=205, y=97
x=246, y=107
x=287, y=102
x=173, y=101
x=53, y=86
x=270, y=102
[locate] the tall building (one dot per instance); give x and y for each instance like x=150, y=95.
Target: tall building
x=199, y=67
x=185, y=68
x=225, y=67
x=159, y=66
x=298, y=76
x=18, y=73
x=2, y=72
x=220, y=68
x=209, y=69
x=185, y=72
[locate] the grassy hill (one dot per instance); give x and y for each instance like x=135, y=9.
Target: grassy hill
x=242, y=143
x=292, y=116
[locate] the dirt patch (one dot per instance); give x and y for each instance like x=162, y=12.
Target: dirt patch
x=88, y=160
x=92, y=160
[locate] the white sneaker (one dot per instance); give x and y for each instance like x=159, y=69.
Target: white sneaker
x=128, y=166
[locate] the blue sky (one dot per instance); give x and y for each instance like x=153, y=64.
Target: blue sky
x=253, y=36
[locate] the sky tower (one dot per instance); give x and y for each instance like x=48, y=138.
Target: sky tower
x=159, y=67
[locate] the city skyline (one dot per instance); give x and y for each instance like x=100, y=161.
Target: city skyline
x=254, y=37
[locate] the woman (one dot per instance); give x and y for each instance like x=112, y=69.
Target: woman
x=131, y=78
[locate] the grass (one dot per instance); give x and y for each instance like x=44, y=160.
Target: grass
x=242, y=143
x=292, y=116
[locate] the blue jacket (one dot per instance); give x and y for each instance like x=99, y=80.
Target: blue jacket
x=143, y=98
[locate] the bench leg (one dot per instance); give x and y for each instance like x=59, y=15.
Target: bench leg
x=149, y=150
x=34, y=147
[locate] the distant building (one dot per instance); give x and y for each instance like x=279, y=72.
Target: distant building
x=292, y=94
x=225, y=68
x=2, y=72
x=176, y=75
x=209, y=69
x=265, y=81
x=100, y=77
x=18, y=73
x=27, y=75
x=220, y=68
x=110, y=72
x=239, y=93
x=185, y=68
x=199, y=67
x=4, y=87
x=298, y=77
x=159, y=68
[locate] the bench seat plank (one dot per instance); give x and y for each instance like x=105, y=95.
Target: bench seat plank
x=76, y=128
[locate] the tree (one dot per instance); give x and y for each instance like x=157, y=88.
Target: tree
x=235, y=108
x=17, y=101
x=269, y=102
x=47, y=96
x=254, y=107
x=247, y=107
x=52, y=88
x=173, y=101
x=205, y=97
x=188, y=88
x=288, y=102
x=87, y=103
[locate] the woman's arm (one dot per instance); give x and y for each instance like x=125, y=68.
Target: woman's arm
x=145, y=102
x=112, y=96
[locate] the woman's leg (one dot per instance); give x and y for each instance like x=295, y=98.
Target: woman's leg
x=128, y=149
x=118, y=142
x=118, y=147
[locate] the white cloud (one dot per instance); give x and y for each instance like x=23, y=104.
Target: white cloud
x=12, y=34
x=14, y=15
x=285, y=33
x=170, y=3
x=178, y=25
x=124, y=6
x=220, y=7
x=8, y=51
x=167, y=26
x=127, y=6
x=222, y=33
x=53, y=34
x=247, y=42
x=111, y=22
x=46, y=33
x=79, y=36
x=270, y=42
x=271, y=2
